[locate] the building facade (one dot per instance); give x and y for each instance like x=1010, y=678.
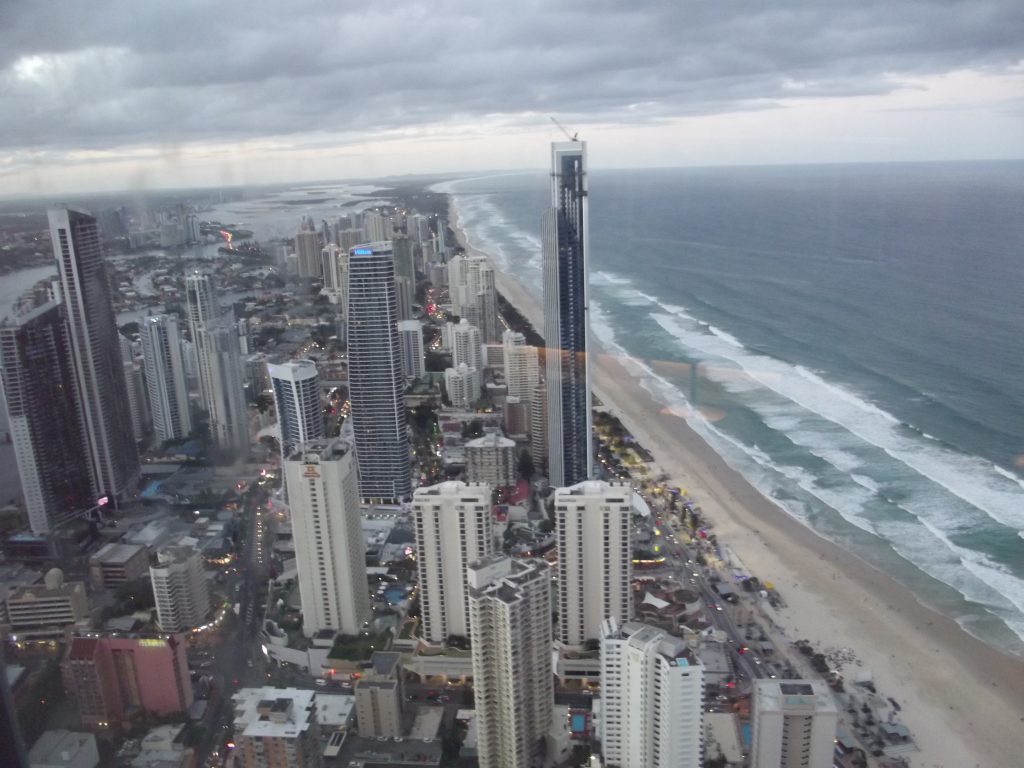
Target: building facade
x=276, y=728
x=219, y=360
x=330, y=556
x=95, y=354
x=462, y=384
x=652, y=690
x=794, y=724
x=47, y=434
x=180, y=589
x=48, y=609
x=491, y=459
x=454, y=527
x=379, y=696
x=111, y=678
x=376, y=381
x=410, y=337
x=300, y=417
x=595, y=557
x=165, y=378
x=567, y=318
x=510, y=618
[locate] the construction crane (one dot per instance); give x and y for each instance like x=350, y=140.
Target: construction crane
x=561, y=127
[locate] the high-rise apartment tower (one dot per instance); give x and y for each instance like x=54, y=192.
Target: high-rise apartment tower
x=567, y=317
x=376, y=381
x=95, y=353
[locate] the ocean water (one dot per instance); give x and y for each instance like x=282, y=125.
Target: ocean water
x=850, y=338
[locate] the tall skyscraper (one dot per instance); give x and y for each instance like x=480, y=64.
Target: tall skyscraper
x=42, y=408
x=329, y=553
x=376, y=382
x=405, y=276
x=454, y=528
x=410, y=337
x=652, y=689
x=794, y=724
x=567, y=317
x=307, y=248
x=595, y=557
x=201, y=299
x=220, y=369
x=300, y=417
x=334, y=265
x=221, y=383
x=180, y=589
x=165, y=377
x=510, y=617
x=96, y=353
x=135, y=382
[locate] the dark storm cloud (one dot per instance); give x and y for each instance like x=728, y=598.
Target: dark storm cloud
x=119, y=72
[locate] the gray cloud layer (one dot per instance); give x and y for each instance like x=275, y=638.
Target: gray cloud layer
x=112, y=73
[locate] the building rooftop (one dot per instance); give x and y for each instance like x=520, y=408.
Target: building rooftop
x=333, y=709
x=272, y=712
x=385, y=663
x=63, y=747
x=116, y=554
x=492, y=440
x=797, y=696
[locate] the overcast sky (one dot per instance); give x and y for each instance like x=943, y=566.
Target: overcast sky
x=113, y=94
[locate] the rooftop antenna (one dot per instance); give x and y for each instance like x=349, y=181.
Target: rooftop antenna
x=561, y=127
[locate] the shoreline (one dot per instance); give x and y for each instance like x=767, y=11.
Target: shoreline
x=960, y=698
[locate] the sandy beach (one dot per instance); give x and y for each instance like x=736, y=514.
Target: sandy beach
x=962, y=700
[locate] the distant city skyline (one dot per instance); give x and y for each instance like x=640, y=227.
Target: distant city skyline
x=103, y=99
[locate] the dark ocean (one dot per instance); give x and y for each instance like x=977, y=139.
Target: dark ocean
x=858, y=333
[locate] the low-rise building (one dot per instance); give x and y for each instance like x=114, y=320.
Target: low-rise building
x=276, y=728
x=48, y=609
x=379, y=697
x=115, y=563
x=64, y=749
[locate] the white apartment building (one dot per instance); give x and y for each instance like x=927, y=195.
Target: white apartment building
x=464, y=340
x=595, y=557
x=300, y=416
x=510, y=616
x=334, y=264
x=323, y=493
x=794, y=724
x=462, y=384
x=454, y=527
x=410, y=339
x=165, y=377
x=521, y=364
x=491, y=459
x=276, y=728
x=180, y=589
x=378, y=694
x=651, y=699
